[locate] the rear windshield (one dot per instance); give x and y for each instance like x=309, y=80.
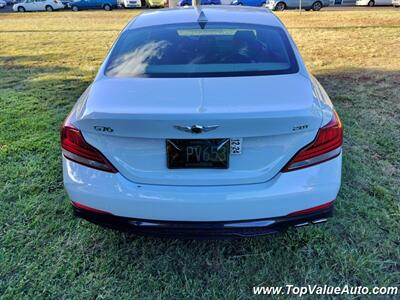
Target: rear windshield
x=187, y=50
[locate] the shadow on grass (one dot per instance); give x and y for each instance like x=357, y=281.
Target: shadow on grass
x=53, y=86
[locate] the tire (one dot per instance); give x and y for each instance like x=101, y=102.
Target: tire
x=21, y=9
x=49, y=8
x=74, y=8
x=316, y=6
x=371, y=3
x=280, y=6
x=107, y=7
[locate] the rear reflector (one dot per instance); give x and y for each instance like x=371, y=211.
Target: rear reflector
x=327, y=145
x=84, y=207
x=312, y=209
x=75, y=148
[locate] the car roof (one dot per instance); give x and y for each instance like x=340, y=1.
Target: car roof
x=220, y=13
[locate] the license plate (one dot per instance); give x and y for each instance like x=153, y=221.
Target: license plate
x=212, y=153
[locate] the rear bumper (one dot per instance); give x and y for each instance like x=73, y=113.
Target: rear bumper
x=281, y=196
x=205, y=230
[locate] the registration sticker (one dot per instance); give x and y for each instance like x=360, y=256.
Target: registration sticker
x=236, y=145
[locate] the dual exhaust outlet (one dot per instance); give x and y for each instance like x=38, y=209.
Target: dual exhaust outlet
x=318, y=221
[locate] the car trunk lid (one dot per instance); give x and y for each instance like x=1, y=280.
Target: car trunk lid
x=129, y=120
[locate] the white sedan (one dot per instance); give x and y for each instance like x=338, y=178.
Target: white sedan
x=203, y=122
x=373, y=2
x=38, y=5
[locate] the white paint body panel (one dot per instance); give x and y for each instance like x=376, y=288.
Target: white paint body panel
x=284, y=194
x=262, y=110
x=143, y=116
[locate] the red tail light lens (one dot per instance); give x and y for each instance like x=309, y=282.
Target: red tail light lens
x=75, y=148
x=327, y=145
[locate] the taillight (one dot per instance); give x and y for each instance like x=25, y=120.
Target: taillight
x=75, y=148
x=327, y=145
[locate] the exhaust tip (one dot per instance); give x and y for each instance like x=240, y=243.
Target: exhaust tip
x=301, y=224
x=319, y=221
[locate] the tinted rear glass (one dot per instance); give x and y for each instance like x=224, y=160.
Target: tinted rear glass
x=186, y=50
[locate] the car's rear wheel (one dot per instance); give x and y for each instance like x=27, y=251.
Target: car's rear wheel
x=107, y=7
x=21, y=9
x=49, y=8
x=316, y=6
x=280, y=6
x=371, y=3
x=74, y=8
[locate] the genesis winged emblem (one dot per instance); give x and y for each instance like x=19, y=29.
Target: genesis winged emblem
x=196, y=128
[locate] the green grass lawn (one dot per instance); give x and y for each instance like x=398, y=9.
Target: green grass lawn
x=46, y=62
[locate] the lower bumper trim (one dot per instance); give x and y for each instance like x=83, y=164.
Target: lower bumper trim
x=205, y=230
